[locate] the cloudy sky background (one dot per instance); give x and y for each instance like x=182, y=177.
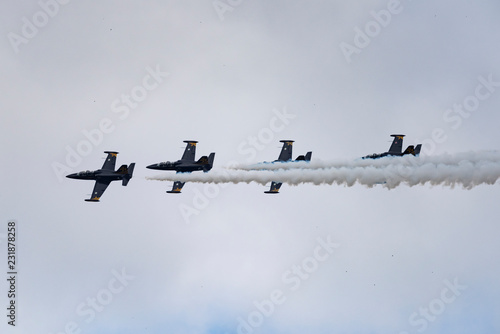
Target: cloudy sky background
x=229, y=74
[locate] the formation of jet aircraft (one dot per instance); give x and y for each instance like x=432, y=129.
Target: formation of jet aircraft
x=187, y=164
x=104, y=176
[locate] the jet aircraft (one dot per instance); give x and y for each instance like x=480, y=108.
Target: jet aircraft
x=286, y=157
x=396, y=149
x=186, y=164
x=105, y=175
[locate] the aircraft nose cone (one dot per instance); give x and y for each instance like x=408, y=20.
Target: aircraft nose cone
x=71, y=176
x=153, y=166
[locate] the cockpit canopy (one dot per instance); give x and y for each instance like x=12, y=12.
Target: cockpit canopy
x=86, y=172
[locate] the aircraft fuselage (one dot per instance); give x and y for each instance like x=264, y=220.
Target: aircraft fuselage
x=99, y=174
x=179, y=166
x=378, y=156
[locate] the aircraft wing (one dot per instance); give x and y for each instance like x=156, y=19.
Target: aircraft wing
x=110, y=162
x=176, y=188
x=275, y=187
x=99, y=188
x=190, y=150
x=286, y=150
x=397, y=145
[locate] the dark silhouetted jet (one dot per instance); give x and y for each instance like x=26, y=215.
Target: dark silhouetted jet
x=105, y=175
x=286, y=156
x=186, y=164
x=396, y=149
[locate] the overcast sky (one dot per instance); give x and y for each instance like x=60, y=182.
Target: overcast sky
x=338, y=77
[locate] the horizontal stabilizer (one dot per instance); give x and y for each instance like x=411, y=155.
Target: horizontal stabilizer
x=122, y=170
x=409, y=150
x=306, y=157
x=92, y=200
x=202, y=161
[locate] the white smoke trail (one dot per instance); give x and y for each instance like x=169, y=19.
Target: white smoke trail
x=447, y=159
x=465, y=169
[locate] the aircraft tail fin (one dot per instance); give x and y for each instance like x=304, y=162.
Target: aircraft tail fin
x=397, y=145
x=210, y=164
x=308, y=156
x=275, y=188
x=417, y=150
x=128, y=176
